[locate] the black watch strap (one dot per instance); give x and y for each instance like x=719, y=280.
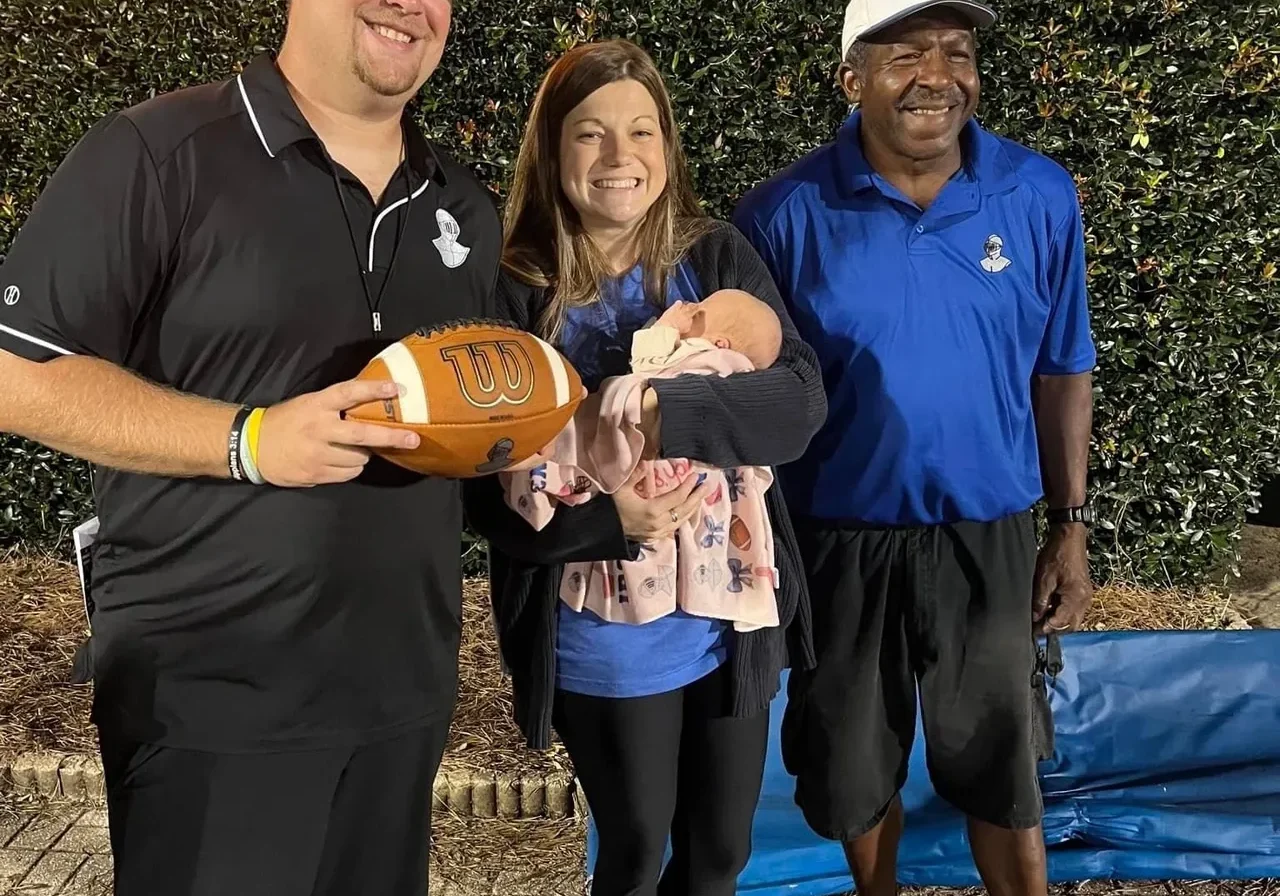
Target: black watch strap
x=1082, y=514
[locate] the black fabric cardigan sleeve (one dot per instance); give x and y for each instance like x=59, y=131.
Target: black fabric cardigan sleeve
x=576, y=533
x=754, y=418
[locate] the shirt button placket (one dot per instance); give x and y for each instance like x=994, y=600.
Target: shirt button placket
x=916, y=232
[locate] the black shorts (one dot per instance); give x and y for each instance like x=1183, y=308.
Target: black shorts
x=317, y=823
x=945, y=608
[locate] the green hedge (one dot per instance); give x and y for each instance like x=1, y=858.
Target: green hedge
x=1165, y=110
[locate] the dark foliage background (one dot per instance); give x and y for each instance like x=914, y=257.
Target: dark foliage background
x=1167, y=112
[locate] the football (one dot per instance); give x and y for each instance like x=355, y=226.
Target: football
x=481, y=395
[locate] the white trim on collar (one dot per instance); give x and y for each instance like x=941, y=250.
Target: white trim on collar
x=253, y=117
x=388, y=210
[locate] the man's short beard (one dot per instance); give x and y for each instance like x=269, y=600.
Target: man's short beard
x=378, y=86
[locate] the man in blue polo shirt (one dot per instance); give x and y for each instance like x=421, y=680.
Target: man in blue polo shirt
x=938, y=270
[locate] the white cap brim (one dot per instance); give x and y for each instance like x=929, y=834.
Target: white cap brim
x=980, y=15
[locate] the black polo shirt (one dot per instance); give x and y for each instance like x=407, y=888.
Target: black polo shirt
x=198, y=239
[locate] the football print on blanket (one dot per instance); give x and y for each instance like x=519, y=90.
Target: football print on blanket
x=481, y=395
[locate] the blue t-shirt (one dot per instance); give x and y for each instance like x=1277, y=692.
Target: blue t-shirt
x=929, y=325
x=611, y=659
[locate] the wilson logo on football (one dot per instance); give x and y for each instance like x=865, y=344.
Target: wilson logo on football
x=492, y=373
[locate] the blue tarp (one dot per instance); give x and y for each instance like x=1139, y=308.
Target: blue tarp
x=1167, y=766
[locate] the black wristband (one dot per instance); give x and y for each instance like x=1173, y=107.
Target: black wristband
x=233, y=444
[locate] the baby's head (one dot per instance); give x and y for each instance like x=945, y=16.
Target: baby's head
x=732, y=319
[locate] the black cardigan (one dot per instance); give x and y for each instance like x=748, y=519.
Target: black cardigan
x=754, y=418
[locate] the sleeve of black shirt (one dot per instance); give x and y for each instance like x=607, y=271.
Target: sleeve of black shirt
x=581, y=532
x=90, y=254
x=760, y=417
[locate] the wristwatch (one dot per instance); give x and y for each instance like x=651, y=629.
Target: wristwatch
x=1081, y=514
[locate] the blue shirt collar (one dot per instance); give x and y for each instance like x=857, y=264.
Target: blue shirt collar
x=985, y=161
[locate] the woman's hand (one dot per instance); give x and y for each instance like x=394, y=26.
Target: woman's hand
x=651, y=519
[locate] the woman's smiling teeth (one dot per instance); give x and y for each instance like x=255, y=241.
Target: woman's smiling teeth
x=617, y=183
x=392, y=34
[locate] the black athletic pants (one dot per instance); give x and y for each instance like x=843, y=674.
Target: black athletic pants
x=675, y=764
x=334, y=822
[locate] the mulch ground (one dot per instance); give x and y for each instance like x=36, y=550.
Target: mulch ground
x=532, y=857
x=42, y=624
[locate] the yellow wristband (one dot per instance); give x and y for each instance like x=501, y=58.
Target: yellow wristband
x=252, y=427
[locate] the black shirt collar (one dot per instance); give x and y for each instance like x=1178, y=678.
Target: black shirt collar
x=279, y=123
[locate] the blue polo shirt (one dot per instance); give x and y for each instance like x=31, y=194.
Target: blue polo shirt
x=929, y=325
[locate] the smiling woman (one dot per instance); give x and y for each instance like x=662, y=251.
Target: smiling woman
x=601, y=175
x=612, y=159
x=666, y=721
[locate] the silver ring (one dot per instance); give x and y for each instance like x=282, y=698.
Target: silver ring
x=675, y=517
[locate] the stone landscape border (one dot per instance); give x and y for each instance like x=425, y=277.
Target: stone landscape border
x=461, y=790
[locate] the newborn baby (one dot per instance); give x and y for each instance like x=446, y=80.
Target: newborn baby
x=729, y=319
x=720, y=562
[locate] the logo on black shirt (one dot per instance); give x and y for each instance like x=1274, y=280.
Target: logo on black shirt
x=452, y=252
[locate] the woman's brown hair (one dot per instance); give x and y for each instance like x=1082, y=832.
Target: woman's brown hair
x=545, y=244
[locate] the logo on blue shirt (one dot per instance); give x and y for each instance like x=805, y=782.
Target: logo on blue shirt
x=993, y=262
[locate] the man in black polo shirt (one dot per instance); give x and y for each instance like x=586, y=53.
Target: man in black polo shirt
x=275, y=664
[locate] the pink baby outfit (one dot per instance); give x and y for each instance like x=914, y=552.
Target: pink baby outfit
x=720, y=562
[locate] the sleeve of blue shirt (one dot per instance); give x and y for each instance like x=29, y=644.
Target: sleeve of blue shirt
x=1068, y=346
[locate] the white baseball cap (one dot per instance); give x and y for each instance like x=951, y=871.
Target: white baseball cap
x=862, y=17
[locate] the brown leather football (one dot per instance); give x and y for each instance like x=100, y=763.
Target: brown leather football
x=481, y=395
